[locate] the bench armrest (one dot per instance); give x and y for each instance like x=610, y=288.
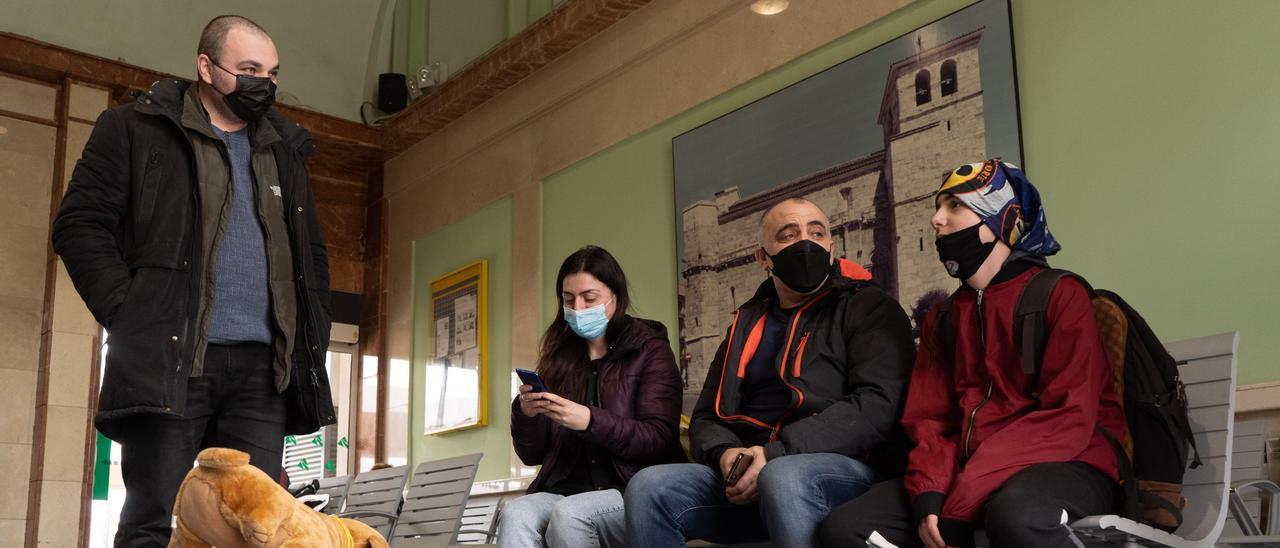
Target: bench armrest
x=1248, y=525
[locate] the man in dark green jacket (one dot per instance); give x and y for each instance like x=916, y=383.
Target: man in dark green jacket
x=189, y=229
x=808, y=386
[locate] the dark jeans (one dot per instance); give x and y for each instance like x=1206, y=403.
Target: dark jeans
x=233, y=404
x=1025, y=511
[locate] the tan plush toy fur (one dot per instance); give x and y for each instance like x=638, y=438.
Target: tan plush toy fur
x=227, y=503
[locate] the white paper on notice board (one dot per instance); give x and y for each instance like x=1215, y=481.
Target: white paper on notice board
x=444, y=334
x=464, y=333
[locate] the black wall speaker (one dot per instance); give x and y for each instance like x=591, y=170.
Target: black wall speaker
x=393, y=92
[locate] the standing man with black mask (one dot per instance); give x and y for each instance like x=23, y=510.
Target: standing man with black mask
x=189, y=228
x=807, y=386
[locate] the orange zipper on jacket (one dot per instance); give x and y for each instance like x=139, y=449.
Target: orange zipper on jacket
x=795, y=368
x=733, y=328
x=749, y=349
x=782, y=369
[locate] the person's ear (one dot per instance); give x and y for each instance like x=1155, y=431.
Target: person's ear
x=985, y=235
x=204, y=68
x=762, y=258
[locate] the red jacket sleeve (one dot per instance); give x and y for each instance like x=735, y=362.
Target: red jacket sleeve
x=1073, y=375
x=932, y=420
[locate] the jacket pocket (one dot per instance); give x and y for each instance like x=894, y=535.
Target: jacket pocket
x=152, y=303
x=165, y=254
x=151, y=179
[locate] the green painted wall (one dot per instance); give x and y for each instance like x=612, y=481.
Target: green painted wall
x=462, y=31
x=1147, y=125
x=1150, y=126
x=621, y=200
x=454, y=32
x=485, y=234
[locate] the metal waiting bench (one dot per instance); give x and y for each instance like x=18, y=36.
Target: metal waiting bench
x=1249, y=487
x=336, y=489
x=1246, y=465
x=427, y=512
x=1207, y=366
x=433, y=506
x=375, y=498
x=480, y=521
x=331, y=491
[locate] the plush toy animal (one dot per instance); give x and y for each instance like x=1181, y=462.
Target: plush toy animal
x=227, y=503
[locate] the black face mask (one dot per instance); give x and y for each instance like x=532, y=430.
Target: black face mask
x=252, y=97
x=963, y=252
x=803, y=266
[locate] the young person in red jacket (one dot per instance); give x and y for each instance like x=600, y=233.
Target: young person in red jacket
x=612, y=407
x=1018, y=455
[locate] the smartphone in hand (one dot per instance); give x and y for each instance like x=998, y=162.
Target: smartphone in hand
x=532, y=378
x=740, y=465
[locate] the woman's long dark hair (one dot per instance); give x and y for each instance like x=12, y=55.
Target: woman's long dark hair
x=563, y=358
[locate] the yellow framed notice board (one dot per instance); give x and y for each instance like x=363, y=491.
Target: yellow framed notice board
x=457, y=372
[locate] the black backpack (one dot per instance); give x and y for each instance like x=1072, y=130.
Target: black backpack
x=1153, y=456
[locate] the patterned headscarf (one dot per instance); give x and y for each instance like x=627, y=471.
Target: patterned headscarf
x=1006, y=201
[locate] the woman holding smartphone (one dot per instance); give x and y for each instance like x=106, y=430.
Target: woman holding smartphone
x=611, y=406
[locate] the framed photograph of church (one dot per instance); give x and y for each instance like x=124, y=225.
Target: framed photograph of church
x=457, y=375
x=867, y=140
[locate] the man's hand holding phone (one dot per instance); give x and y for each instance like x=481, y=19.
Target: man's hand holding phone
x=741, y=467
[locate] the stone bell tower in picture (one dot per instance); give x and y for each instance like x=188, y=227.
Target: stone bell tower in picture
x=880, y=203
x=933, y=121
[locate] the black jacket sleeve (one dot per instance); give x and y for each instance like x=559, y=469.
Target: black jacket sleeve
x=90, y=217
x=709, y=437
x=530, y=436
x=880, y=352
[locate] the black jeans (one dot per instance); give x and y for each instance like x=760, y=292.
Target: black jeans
x=1025, y=511
x=233, y=404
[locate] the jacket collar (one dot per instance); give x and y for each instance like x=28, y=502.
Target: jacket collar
x=633, y=333
x=168, y=98
x=1014, y=267
x=196, y=118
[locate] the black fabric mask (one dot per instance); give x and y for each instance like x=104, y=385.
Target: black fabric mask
x=803, y=266
x=252, y=97
x=963, y=252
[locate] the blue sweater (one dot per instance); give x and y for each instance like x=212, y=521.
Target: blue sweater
x=242, y=302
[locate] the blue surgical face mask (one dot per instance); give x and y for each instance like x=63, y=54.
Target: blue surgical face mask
x=588, y=323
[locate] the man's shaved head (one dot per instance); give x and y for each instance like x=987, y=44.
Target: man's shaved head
x=776, y=217
x=215, y=33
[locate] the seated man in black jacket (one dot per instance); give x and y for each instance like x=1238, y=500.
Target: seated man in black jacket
x=808, y=384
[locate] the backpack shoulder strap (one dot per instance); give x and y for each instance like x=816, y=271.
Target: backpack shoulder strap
x=944, y=332
x=1029, y=333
